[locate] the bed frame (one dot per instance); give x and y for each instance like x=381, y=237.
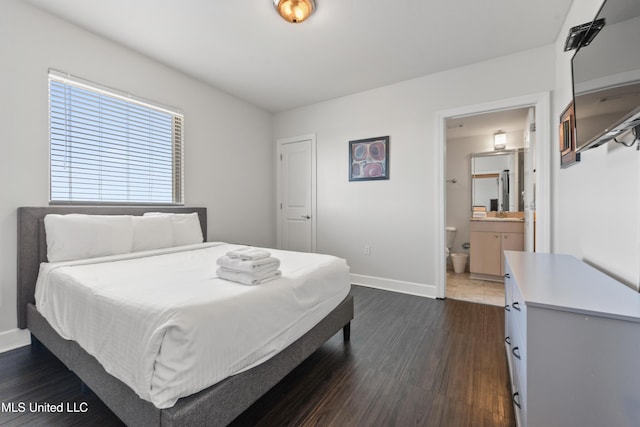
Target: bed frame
x=217, y=405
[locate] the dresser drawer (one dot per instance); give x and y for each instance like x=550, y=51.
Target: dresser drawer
x=519, y=368
x=518, y=317
x=518, y=399
x=508, y=285
x=508, y=297
x=516, y=331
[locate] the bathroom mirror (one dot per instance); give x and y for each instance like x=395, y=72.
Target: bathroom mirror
x=497, y=180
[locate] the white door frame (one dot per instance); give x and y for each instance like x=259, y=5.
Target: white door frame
x=541, y=102
x=279, y=144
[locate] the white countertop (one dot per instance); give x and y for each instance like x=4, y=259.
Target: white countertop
x=563, y=282
x=499, y=219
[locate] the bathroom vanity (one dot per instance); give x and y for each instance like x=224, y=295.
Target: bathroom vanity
x=490, y=237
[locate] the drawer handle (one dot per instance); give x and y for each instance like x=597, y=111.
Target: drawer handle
x=507, y=308
x=507, y=276
x=516, y=398
x=516, y=305
x=508, y=340
x=516, y=352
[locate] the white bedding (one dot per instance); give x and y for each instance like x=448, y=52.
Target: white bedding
x=165, y=325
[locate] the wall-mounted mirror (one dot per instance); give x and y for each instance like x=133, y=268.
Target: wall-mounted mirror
x=497, y=180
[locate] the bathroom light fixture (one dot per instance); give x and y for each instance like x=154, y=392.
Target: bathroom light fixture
x=295, y=11
x=500, y=140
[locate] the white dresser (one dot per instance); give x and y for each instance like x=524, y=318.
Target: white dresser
x=572, y=336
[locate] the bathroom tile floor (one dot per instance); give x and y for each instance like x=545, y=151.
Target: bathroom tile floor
x=461, y=287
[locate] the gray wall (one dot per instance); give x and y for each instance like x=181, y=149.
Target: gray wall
x=597, y=201
x=397, y=218
x=225, y=138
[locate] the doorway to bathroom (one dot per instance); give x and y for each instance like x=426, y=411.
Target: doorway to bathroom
x=485, y=186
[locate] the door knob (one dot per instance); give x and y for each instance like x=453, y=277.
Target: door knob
x=306, y=216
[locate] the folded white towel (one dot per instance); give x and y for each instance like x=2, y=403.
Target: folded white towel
x=247, y=278
x=248, y=253
x=249, y=266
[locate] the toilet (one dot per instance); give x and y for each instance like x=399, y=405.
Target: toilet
x=459, y=260
x=451, y=235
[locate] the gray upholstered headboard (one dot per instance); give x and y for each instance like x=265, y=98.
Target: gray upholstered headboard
x=32, y=243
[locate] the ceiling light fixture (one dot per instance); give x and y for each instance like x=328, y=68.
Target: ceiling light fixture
x=500, y=140
x=295, y=11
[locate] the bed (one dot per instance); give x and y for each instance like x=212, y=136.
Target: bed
x=217, y=404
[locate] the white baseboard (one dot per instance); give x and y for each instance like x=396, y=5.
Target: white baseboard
x=14, y=338
x=411, y=288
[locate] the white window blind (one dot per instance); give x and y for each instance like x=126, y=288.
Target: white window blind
x=109, y=147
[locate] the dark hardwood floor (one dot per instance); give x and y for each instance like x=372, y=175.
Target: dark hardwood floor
x=411, y=361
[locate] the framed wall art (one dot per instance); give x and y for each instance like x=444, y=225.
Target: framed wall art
x=568, y=154
x=369, y=159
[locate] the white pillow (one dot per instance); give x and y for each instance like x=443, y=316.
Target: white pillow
x=152, y=232
x=186, y=227
x=80, y=236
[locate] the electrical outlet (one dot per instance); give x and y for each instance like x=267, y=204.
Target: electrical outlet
x=367, y=250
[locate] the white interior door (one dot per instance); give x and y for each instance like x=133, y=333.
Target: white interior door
x=529, y=182
x=296, y=216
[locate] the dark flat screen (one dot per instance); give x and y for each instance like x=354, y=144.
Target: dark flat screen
x=606, y=76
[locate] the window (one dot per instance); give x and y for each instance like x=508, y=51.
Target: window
x=109, y=147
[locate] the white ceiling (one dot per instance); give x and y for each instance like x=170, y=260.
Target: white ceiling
x=487, y=123
x=244, y=48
